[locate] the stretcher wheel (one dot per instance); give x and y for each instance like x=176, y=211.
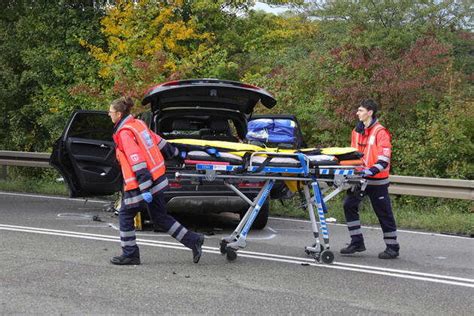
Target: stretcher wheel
x=231, y=254
x=223, y=246
x=327, y=256
x=309, y=253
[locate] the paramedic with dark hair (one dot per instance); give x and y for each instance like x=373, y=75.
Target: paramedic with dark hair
x=374, y=140
x=140, y=154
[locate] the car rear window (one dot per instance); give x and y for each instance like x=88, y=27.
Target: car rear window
x=205, y=127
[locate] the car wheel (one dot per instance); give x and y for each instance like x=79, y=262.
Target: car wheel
x=262, y=217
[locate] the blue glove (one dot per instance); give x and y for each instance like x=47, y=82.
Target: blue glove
x=147, y=197
x=367, y=172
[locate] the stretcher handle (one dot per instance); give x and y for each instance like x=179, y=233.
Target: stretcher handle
x=359, y=171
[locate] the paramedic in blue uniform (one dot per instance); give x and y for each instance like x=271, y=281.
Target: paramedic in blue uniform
x=140, y=154
x=374, y=140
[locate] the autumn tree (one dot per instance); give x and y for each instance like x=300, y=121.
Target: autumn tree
x=40, y=60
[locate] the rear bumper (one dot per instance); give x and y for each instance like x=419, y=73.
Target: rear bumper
x=206, y=204
x=208, y=197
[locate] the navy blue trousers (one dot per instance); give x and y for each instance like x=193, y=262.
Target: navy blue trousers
x=382, y=206
x=160, y=217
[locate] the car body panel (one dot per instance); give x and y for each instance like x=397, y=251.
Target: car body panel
x=208, y=95
x=85, y=155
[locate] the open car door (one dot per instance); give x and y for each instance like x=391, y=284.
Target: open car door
x=85, y=155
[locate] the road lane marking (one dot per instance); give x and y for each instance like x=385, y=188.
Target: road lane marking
x=271, y=229
x=54, y=197
x=271, y=236
x=371, y=227
x=274, y=218
x=404, y=274
x=397, y=275
x=350, y=265
x=76, y=216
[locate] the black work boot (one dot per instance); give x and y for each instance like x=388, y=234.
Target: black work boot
x=353, y=248
x=197, y=248
x=389, y=253
x=122, y=260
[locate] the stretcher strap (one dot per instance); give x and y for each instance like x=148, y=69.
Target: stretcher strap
x=263, y=164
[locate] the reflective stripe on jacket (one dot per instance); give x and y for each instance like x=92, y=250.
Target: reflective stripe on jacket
x=376, y=145
x=137, y=149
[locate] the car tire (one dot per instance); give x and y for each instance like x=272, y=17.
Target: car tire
x=262, y=217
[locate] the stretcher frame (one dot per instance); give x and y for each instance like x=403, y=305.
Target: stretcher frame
x=341, y=178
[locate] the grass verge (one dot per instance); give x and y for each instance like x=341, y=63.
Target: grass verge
x=422, y=213
x=41, y=186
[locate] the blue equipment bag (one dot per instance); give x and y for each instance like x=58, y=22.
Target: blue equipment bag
x=272, y=131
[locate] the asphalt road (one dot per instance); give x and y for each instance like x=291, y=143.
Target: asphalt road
x=54, y=256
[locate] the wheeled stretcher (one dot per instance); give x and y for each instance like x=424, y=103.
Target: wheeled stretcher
x=307, y=172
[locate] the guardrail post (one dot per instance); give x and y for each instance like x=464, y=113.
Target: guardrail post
x=3, y=172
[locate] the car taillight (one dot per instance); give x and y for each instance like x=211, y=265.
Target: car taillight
x=175, y=185
x=170, y=83
x=250, y=184
x=245, y=85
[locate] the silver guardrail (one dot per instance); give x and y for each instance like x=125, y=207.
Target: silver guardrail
x=401, y=185
x=433, y=187
x=24, y=159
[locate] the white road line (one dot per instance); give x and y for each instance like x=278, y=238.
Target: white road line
x=370, y=227
x=114, y=226
x=271, y=236
x=32, y=229
x=402, y=276
x=271, y=229
x=350, y=265
x=275, y=218
x=54, y=197
x=442, y=279
x=262, y=238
